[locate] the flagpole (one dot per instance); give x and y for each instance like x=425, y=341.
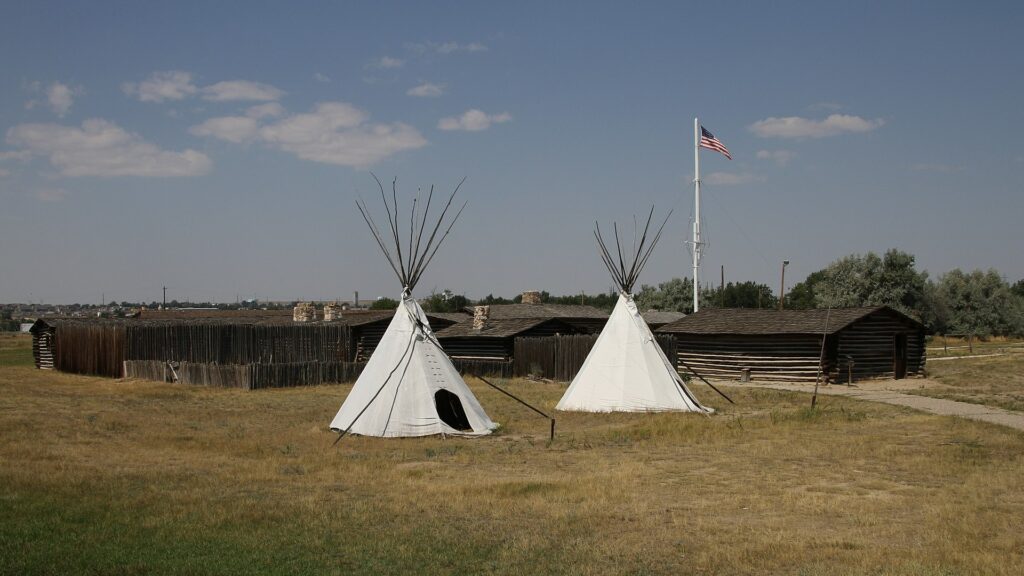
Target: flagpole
x=696, y=213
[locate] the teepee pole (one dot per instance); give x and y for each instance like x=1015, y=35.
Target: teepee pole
x=517, y=399
x=702, y=379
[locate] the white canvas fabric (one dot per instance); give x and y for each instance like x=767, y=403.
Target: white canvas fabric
x=398, y=385
x=626, y=371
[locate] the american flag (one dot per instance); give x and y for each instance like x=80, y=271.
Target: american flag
x=708, y=140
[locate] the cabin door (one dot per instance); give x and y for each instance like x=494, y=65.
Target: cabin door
x=899, y=356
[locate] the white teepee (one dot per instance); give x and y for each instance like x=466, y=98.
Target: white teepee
x=626, y=370
x=409, y=387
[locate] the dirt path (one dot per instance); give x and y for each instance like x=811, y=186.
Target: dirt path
x=888, y=392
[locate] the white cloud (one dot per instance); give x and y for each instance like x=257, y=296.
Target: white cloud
x=473, y=120
x=427, y=90
x=171, y=85
x=448, y=47
x=324, y=78
x=60, y=98
x=796, y=127
x=936, y=168
x=332, y=133
x=57, y=96
x=271, y=109
x=101, y=148
x=730, y=179
x=234, y=90
x=780, y=157
x=387, y=62
x=235, y=129
x=178, y=85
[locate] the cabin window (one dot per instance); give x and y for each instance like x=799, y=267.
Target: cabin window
x=449, y=409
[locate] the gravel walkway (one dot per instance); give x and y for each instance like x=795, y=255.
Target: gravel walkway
x=923, y=403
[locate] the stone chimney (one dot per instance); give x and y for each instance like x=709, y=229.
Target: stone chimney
x=531, y=297
x=304, y=312
x=480, y=315
x=332, y=311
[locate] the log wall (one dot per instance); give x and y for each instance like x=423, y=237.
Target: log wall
x=768, y=357
x=870, y=343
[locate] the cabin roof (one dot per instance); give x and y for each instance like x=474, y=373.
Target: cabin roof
x=753, y=321
x=503, y=311
x=658, y=317
x=494, y=328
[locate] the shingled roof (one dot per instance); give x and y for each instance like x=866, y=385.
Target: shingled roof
x=501, y=311
x=660, y=318
x=494, y=328
x=752, y=321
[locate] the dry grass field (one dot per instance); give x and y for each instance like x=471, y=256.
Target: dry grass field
x=990, y=380
x=128, y=477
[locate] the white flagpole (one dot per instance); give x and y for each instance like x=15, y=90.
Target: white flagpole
x=696, y=213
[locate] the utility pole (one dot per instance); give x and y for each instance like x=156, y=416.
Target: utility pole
x=782, y=285
x=721, y=297
x=165, y=296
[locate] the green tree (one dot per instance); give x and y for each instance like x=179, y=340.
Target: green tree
x=1018, y=288
x=739, y=295
x=868, y=280
x=445, y=302
x=801, y=296
x=492, y=299
x=674, y=295
x=979, y=303
x=384, y=304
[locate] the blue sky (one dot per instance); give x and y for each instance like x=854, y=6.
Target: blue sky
x=218, y=148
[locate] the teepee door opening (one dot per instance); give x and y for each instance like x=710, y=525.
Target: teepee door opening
x=450, y=410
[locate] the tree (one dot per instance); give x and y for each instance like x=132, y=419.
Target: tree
x=979, y=303
x=801, y=296
x=868, y=280
x=739, y=295
x=384, y=304
x=1018, y=288
x=673, y=295
x=445, y=302
x=491, y=299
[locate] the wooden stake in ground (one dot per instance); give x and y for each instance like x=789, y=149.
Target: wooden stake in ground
x=821, y=358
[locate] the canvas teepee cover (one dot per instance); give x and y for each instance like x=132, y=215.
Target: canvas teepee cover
x=627, y=371
x=410, y=387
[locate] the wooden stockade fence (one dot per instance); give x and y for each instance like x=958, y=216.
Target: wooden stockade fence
x=235, y=343
x=495, y=368
x=245, y=376
x=90, y=348
x=561, y=357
